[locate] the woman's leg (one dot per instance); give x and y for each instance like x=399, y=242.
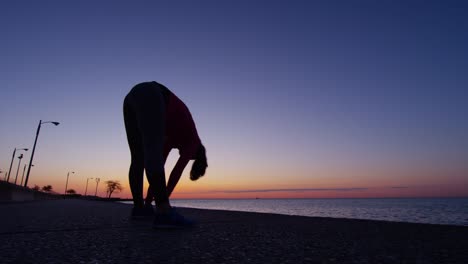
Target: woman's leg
x=149, y=196
x=150, y=107
x=135, y=174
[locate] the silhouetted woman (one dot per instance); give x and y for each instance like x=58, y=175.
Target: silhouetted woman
x=156, y=121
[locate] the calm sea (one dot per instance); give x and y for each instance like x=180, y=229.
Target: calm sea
x=451, y=211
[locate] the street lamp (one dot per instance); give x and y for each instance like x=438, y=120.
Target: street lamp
x=66, y=184
x=97, y=183
x=17, y=170
x=22, y=177
x=13, y=158
x=34, y=148
x=86, y=190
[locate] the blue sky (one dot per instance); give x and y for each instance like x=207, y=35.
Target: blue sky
x=296, y=94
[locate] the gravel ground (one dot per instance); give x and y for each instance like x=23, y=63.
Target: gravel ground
x=78, y=231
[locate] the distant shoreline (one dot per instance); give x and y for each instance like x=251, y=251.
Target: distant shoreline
x=6, y=188
x=10, y=192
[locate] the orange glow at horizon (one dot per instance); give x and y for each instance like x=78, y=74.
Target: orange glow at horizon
x=322, y=182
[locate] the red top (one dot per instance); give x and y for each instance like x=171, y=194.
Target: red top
x=181, y=132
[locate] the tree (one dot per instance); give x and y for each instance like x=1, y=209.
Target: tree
x=47, y=188
x=112, y=186
x=71, y=191
x=36, y=188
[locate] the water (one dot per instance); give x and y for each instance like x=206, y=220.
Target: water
x=451, y=211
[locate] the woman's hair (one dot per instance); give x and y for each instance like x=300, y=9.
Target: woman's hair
x=200, y=164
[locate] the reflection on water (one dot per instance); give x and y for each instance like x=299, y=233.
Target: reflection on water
x=452, y=211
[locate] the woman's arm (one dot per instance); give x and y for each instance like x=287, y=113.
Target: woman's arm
x=149, y=194
x=176, y=173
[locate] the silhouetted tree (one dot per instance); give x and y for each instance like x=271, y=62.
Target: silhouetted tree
x=36, y=188
x=71, y=191
x=113, y=186
x=47, y=188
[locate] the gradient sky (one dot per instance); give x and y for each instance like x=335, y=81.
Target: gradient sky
x=291, y=98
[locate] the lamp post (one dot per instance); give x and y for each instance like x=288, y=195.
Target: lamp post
x=66, y=184
x=86, y=190
x=34, y=148
x=22, y=177
x=97, y=183
x=12, y=159
x=17, y=170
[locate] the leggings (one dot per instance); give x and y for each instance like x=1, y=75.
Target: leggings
x=144, y=116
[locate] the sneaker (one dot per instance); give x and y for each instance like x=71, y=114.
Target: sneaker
x=142, y=212
x=171, y=220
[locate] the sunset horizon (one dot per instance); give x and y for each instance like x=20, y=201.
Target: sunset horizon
x=271, y=131
x=339, y=101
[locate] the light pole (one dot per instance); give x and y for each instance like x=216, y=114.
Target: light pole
x=34, y=148
x=66, y=184
x=86, y=190
x=24, y=169
x=13, y=158
x=17, y=170
x=97, y=183
x=22, y=177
